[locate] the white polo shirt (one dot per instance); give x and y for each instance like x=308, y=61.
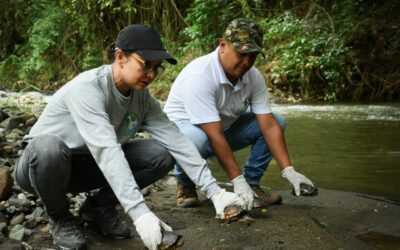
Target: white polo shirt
x=202, y=93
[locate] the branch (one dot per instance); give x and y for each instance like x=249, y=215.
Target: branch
x=178, y=12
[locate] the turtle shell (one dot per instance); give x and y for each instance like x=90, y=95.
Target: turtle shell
x=306, y=190
x=232, y=212
x=170, y=240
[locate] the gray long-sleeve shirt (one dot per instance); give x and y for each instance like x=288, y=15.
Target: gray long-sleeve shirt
x=89, y=113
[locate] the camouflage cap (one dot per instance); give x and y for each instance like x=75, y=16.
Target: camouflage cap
x=245, y=35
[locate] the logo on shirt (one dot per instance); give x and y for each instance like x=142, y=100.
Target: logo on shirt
x=246, y=103
x=131, y=121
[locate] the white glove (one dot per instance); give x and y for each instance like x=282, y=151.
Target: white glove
x=222, y=199
x=244, y=191
x=295, y=178
x=149, y=228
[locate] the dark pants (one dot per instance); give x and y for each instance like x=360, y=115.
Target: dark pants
x=49, y=169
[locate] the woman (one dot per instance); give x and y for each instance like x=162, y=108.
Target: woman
x=83, y=141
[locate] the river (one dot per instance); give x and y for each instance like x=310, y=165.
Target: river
x=343, y=147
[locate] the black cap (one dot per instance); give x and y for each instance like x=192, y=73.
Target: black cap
x=145, y=41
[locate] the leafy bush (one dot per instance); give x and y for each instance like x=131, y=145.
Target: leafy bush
x=306, y=56
x=208, y=19
x=331, y=50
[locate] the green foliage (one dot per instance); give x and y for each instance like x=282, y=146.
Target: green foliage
x=208, y=19
x=40, y=59
x=306, y=56
x=331, y=50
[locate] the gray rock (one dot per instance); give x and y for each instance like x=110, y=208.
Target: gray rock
x=2, y=238
x=11, y=209
x=2, y=226
x=2, y=135
x=12, y=122
x=19, y=201
x=38, y=212
x=17, y=233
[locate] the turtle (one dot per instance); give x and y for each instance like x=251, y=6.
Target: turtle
x=306, y=190
x=170, y=241
x=259, y=204
x=232, y=213
x=236, y=213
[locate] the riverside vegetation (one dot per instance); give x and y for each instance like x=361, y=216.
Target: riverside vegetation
x=340, y=50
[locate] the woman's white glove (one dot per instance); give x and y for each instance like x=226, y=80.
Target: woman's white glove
x=149, y=228
x=244, y=191
x=295, y=178
x=222, y=199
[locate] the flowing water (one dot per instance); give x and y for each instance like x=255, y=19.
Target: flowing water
x=343, y=147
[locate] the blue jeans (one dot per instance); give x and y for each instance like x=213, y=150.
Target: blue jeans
x=243, y=133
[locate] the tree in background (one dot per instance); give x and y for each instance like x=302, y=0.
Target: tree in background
x=316, y=50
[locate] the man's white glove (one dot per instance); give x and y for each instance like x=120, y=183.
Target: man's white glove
x=149, y=228
x=295, y=178
x=222, y=199
x=244, y=191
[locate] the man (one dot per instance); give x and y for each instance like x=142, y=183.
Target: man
x=83, y=141
x=220, y=102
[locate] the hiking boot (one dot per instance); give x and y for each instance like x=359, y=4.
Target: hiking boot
x=186, y=195
x=105, y=218
x=264, y=197
x=66, y=234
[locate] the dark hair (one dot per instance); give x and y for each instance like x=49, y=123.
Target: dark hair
x=111, y=52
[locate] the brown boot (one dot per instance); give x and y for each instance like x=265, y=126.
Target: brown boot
x=264, y=197
x=186, y=195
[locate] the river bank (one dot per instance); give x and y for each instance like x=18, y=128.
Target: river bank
x=331, y=220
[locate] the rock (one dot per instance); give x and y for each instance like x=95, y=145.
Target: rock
x=19, y=201
x=6, y=183
x=8, y=149
x=18, y=132
x=171, y=181
x=12, y=122
x=17, y=233
x=31, y=99
x=2, y=226
x=27, y=116
x=28, y=232
x=3, y=115
x=26, y=246
x=37, y=213
x=31, y=121
x=2, y=238
x=45, y=229
x=11, y=209
x=19, y=219
x=2, y=135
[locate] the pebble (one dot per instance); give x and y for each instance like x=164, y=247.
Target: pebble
x=19, y=219
x=17, y=232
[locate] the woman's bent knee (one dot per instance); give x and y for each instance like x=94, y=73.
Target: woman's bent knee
x=45, y=158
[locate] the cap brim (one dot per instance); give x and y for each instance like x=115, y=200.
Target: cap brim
x=156, y=55
x=251, y=48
